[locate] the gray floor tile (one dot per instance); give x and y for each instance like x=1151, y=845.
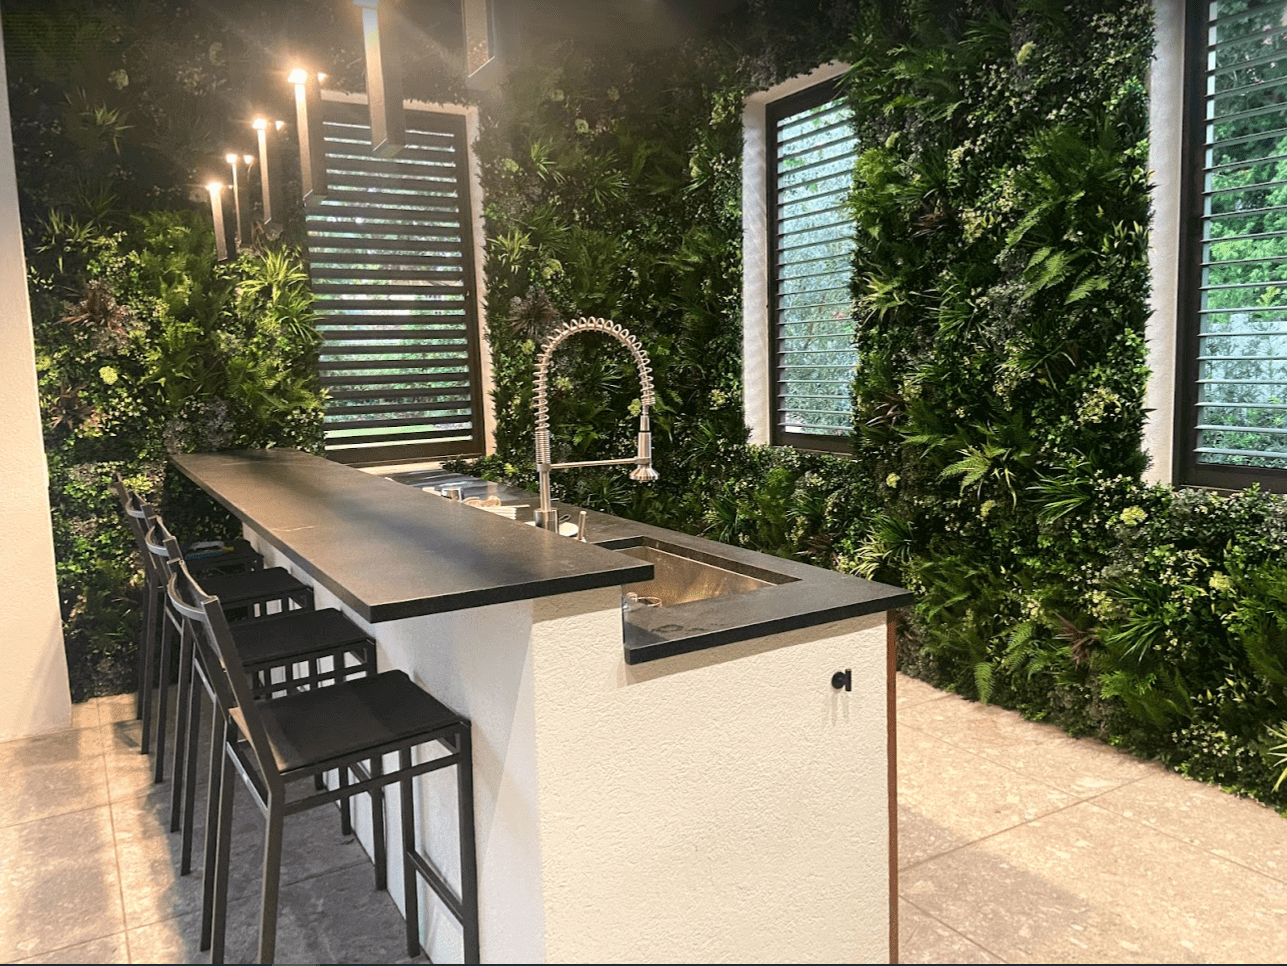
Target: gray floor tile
x=52, y=774
x=110, y=949
x=923, y=939
x=58, y=883
x=335, y=918
x=1087, y=885
x=149, y=854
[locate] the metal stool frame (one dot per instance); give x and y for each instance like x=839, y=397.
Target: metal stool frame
x=243, y=728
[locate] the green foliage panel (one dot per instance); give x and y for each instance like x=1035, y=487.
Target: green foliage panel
x=147, y=346
x=1000, y=284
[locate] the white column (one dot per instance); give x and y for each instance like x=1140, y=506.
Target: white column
x=34, y=696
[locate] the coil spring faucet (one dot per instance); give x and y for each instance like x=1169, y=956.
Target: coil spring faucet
x=643, y=471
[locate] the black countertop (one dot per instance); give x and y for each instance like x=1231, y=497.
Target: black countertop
x=805, y=597
x=390, y=551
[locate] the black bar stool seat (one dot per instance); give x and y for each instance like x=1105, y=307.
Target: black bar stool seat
x=294, y=636
x=364, y=718
x=258, y=587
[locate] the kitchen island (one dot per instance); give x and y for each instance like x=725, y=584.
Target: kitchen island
x=705, y=781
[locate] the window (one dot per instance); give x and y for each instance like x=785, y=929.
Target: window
x=811, y=147
x=1233, y=403
x=391, y=259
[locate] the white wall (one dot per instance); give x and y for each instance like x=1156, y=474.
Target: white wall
x=33, y=667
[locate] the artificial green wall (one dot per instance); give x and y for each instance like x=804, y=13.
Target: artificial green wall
x=1000, y=288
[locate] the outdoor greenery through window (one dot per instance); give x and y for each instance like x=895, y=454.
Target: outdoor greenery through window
x=811, y=246
x=1241, y=399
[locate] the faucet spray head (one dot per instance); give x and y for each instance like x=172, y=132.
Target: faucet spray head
x=643, y=471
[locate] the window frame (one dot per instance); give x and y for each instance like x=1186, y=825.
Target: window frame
x=1187, y=468
x=814, y=95
x=462, y=123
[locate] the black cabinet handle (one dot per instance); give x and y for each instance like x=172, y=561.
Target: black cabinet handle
x=843, y=680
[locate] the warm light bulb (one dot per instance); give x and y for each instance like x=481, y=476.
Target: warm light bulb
x=298, y=76
x=249, y=159
x=260, y=124
x=214, y=187
x=321, y=78
x=279, y=124
x=230, y=158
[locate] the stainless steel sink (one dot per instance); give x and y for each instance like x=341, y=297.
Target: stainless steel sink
x=684, y=575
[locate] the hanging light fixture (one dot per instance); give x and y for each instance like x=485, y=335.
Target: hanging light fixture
x=265, y=177
x=216, y=211
x=240, y=164
x=308, y=124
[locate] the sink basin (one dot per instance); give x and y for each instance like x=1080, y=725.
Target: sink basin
x=684, y=575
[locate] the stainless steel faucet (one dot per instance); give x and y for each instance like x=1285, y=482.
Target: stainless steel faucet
x=643, y=471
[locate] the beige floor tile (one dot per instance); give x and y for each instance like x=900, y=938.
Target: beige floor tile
x=1082, y=767
x=923, y=939
x=910, y=691
x=116, y=707
x=949, y=797
x=1247, y=832
x=58, y=883
x=1087, y=885
x=52, y=774
x=110, y=949
x=85, y=714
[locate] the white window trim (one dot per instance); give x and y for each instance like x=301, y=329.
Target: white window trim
x=757, y=387
x=1165, y=250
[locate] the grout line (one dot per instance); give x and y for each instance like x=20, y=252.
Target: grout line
x=1282, y=879
x=116, y=856
x=951, y=929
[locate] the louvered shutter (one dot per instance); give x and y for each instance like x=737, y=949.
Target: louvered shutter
x=391, y=261
x=1241, y=399
x=812, y=147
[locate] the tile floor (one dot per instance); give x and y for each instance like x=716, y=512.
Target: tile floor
x=1017, y=844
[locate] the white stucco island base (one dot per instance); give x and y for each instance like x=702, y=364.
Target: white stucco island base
x=727, y=805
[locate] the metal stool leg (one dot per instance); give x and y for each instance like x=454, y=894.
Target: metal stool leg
x=163, y=695
x=468, y=853
x=271, y=880
x=410, y=885
x=377, y=828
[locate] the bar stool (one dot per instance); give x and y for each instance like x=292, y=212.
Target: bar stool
x=330, y=646
x=247, y=594
x=236, y=557
x=273, y=646
x=299, y=736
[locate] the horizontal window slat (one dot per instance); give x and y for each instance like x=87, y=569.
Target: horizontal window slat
x=367, y=289
x=356, y=243
x=331, y=352
x=334, y=421
x=435, y=270
x=333, y=335
x=1254, y=453
x=460, y=404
